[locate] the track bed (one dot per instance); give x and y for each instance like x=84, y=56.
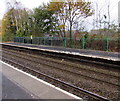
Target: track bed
x=91, y=77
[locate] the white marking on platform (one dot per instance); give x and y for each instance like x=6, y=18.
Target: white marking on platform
x=76, y=97
x=72, y=53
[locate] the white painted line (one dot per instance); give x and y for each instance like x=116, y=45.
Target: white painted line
x=72, y=53
x=74, y=96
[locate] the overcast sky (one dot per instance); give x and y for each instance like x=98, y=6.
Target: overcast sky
x=35, y=3
x=26, y=3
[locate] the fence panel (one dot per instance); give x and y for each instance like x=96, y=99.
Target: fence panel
x=103, y=44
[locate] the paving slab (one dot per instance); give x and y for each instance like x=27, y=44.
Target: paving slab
x=11, y=90
x=35, y=86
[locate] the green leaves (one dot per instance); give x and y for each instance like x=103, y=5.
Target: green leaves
x=48, y=18
x=44, y=22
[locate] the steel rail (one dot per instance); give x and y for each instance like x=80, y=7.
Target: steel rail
x=64, y=64
x=99, y=80
x=83, y=59
x=88, y=93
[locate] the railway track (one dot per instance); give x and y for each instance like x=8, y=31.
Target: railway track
x=74, y=58
x=56, y=81
x=44, y=60
x=64, y=64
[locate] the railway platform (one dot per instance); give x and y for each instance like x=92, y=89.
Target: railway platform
x=113, y=56
x=30, y=86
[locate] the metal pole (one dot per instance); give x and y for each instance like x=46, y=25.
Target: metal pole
x=64, y=42
x=44, y=41
x=83, y=43
x=107, y=44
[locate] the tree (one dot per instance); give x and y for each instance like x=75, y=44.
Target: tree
x=16, y=8
x=11, y=20
x=18, y=16
x=8, y=27
x=24, y=23
x=44, y=21
x=58, y=8
x=70, y=12
x=102, y=19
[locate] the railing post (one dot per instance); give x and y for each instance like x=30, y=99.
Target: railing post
x=38, y=40
x=107, y=44
x=22, y=39
x=83, y=43
x=64, y=42
x=44, y=41
x=26, y=39
x=14, y=39
x=52, y=41
x=19, y=40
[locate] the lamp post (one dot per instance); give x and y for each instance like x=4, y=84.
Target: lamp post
x=31, y=38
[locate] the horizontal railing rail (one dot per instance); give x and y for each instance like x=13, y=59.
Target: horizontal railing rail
x=103, y=44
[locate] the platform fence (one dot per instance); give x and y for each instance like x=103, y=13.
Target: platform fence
x=103, y=44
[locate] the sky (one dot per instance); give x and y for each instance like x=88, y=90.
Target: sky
x=101, y=3
x=26, y=3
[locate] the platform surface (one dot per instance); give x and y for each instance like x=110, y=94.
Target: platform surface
x=11, y=90
x=31, y=86
x=114, y=56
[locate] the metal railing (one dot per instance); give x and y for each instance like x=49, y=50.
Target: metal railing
x=103, y=44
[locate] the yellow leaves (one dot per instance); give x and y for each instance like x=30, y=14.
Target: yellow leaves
x=58, y=0
x=0, y=30
x=62, y=26
x=77, y=4
x=79, y=0
x=74, y=7
x=13, y=24
x=55, y=6
x=61, y=11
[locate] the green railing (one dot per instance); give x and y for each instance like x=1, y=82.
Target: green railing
x=104, y=44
